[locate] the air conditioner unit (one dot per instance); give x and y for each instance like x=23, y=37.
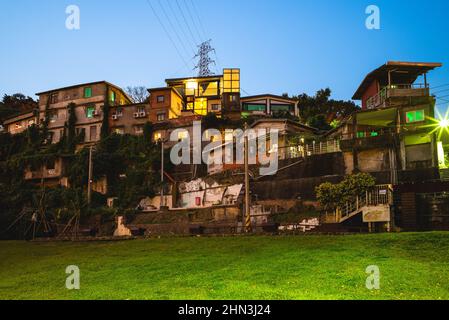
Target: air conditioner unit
x=114, y=117
x=136, y=115
x=142, y=114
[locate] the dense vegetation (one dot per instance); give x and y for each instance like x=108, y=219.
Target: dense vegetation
x=130, y=164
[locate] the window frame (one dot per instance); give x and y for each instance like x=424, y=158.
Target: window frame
x=407, y=119
x=87, y=92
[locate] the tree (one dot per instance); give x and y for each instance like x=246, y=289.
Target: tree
x=331, y=195
x=104, y=132
x=138, y=94
x=15, y=104
x=320, y=110
x=71, y=130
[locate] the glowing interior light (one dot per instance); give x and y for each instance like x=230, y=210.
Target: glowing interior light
x=192, y=85
x=441, y=158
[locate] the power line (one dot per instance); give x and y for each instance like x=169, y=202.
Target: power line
x=443, y=96
x=201, y=27
x=186, y=37
x=191, y=18
x=172, y=26
x=199, y=18
x=186, y=23
x=443, y=85
x=167, y=33
x=441, y=91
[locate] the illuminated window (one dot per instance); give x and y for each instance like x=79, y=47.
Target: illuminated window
x=415, y=116
x=112, y=96
x=201, y=106
x=90, y=111
x=161, y=117
x=138, y=129
x=119, y=131
x=87, y=92
x=191, y=87
x=208, y=89
x=231, y=80
x=361, y=134
x=232, y=98
x=157, y=136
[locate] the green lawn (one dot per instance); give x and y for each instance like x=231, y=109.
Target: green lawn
x=412, y=266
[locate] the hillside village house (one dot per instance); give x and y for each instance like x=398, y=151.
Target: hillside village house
x=387, y=138
x=21, y=122
x=90, y=98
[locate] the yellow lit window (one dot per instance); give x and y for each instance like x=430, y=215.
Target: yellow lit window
x=231, y=80
x=157, y=136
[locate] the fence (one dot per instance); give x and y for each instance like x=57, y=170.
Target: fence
x=307, y=150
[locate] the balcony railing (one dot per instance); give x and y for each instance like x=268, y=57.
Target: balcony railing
x=397, y=90
x=369, y=133
x=309, y=149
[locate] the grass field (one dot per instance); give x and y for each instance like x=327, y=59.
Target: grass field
x=412, y=266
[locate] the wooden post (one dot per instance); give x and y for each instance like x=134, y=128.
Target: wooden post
x=162, y=202
x=89, y=182
x=247, y=196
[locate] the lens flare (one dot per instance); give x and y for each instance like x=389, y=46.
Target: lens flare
x=440, y=124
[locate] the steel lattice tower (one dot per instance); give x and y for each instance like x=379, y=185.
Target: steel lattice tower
x=204, y=60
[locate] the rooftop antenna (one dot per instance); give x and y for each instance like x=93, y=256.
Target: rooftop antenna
x=204, y=60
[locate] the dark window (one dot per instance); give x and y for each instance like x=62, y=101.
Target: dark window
x=215, y=107
x=50, y=165
x=282, y=107
x=93, y=133
x=54, y=98
x=160, y=99
x=254, y=107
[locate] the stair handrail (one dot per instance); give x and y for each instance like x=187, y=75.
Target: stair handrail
x=377, y=195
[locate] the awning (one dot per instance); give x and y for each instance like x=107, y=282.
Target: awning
x=378, y=118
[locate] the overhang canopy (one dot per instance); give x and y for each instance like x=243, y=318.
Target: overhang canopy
x=401, y=73
x=378, y=118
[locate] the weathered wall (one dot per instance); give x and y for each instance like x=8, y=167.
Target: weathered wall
x=291, y=188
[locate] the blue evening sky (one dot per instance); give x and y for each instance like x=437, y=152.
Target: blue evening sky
x=280, y=45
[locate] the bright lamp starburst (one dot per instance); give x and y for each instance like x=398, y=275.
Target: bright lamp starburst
x=440, y=124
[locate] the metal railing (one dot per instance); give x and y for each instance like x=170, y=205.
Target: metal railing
x=309, y=149
x=380, y=98
x=378, y=195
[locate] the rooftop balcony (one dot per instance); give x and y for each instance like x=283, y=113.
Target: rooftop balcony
x=397, y=91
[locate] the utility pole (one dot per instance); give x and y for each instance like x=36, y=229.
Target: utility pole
x=162, y=175
x=89, y=182
x=247, y=195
